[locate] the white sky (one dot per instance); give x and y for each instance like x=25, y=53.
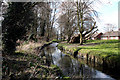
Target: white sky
x=108, y=13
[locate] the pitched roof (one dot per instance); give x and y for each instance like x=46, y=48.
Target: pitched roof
x=112, y=33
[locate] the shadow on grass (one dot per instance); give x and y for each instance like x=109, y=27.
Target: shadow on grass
x=12, y=68
x=14, y=65
x=20, y=54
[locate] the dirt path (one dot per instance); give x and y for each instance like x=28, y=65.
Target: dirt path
x=78, y=45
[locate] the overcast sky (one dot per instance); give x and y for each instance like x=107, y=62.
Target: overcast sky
x=108, y=13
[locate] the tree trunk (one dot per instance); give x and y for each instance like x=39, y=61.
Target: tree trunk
x=81, y=39
x=42, y=30
x=61, y=33
x=68, y=38
x=80, y=18
x=48, y=36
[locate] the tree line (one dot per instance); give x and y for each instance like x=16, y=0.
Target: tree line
x=47, y=21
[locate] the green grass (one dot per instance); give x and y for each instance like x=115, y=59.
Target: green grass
x=104, y=48
x=101, y=48
x=107, y=49
x=64, y=44
x=98, y=41
x=55, y=40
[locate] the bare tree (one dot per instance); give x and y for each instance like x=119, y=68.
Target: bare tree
x=109, y=27
x=80, y=14
x=67, y=19
x=53, y=19
x=85, y=14
x=45, y=13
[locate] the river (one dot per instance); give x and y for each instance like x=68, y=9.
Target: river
x=71, y=67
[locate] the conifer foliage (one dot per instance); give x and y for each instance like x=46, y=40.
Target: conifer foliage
x=17, y=21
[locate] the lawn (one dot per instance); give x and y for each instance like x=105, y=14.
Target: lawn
x=103, y=48
x=107, y=49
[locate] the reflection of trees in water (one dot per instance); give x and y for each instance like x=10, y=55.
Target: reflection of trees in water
x=69, y=66
x=87, y=72
x=75, y=69
x=65, y=65
x=50, y=50
x=47, y=52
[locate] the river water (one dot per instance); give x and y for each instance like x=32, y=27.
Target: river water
x=71, y=67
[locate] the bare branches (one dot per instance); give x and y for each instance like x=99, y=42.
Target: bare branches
x=91, y=29
x=109, y=27
x=67, y=19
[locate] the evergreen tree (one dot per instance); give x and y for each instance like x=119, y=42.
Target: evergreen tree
x=17, y=21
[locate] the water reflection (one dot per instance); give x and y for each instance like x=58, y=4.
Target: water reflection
x=70, y=67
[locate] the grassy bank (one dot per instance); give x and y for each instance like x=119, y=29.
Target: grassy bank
x=100, y=49
x=26, y=64
x=103, y=48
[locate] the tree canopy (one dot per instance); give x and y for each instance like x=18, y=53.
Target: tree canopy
x=17, y=21
x=36, y=20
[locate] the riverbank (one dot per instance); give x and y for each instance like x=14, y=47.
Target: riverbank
x=32, y=47
x=103, y=52
x=26, y=64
